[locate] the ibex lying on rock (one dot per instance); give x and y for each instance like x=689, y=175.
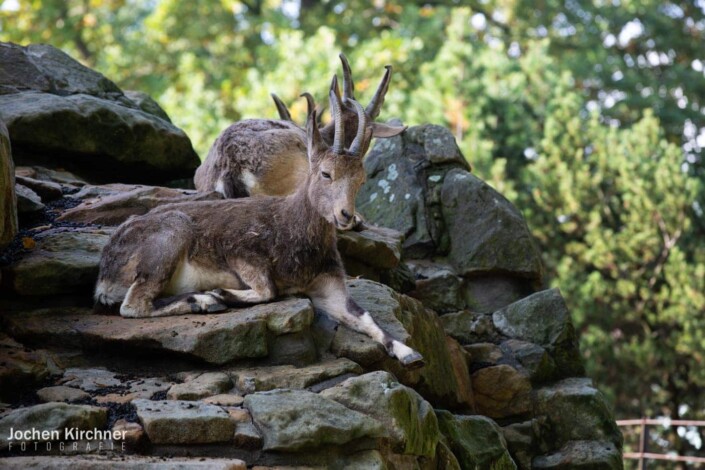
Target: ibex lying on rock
x=209, y=255
x=266, y=156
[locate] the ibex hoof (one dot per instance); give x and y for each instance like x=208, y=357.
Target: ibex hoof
x=412, y=361
x=203, y=303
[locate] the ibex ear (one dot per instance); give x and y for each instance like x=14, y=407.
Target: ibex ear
x=314, y=143
x=385, y=130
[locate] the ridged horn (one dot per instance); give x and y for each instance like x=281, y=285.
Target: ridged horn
x=356, y=146
x=336, y=107
x=348, y=84
x=284, y=114
x=310, y=103
x=375, y=105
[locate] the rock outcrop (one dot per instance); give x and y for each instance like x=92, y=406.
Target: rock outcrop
x=63, y=114
x=280, y=385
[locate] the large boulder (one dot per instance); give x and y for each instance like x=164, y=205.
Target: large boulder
x=8, y=203
x=295, y=420
x=408, y=418
x=476, y=441
x=543, y=318
x=577, y=411
x=487, y=233
x=64, y=114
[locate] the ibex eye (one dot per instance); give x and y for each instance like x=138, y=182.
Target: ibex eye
x=325, y=175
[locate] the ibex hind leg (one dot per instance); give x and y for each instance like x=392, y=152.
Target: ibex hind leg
x=261, y=287
x=163, y=249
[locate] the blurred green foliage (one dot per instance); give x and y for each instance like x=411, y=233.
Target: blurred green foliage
x=588, y=115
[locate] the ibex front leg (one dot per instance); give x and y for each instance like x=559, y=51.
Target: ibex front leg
x=328, y=293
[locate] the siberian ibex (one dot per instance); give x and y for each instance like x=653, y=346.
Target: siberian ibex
x=205, y=256
x=267, y=156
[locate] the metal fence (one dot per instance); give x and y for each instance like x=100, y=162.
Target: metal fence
x=643, y=455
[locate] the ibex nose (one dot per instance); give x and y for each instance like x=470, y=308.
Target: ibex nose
x=347, y=216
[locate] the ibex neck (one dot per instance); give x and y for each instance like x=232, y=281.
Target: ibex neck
x=304, y=213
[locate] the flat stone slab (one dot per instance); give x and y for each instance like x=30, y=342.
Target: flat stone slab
x=184, y=422
x=262, y=379
x=377, y=246
x=61, y=262
x=216, y=338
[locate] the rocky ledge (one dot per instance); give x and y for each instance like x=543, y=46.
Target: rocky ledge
x=453, y=273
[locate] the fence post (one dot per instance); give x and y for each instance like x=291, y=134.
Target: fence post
x=643, y=444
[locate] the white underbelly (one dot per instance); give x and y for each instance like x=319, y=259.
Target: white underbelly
x=191, y=278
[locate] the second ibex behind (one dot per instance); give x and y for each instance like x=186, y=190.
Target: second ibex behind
x=208, y=255
x=268, y=156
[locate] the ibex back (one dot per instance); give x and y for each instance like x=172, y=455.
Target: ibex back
x=207, y=256
x=267, y=156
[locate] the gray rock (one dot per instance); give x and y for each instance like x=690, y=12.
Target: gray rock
x=112, y=204
x=28, y=201
x=22, y=368
x=100, y=138
x=184, y=422
x=247, y=436
x=50, y=417
x=483, y=355
x=61, y=393
x=262, y=379
x=544, y=319
x=147, y=104
x=216, y=338
x=440, y=145
x=202, y=386
x=121, y=461
x=582, y=455
x=376, y=246
x=534, y=359
x=487, y=233
x=90, y=379
x=58, y=176
x=523, y=441
x=470, y=327
x=296, y=420
x=8, y=199
x=45, y=68
x=408, y=418
x=491, y=292
x=61, y=262
x=46, y=190
x=437, y=286
x=393, y=196
x=577, y=411
x=501, y=391
x=476, y=441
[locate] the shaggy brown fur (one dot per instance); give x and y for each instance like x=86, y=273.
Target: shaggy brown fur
x=212, y=254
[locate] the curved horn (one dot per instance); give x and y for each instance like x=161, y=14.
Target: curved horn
x=281, y=108
x=336, y=107
x=356, y=146
x=310, y=104
x=376, y=102
x=348, y=84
